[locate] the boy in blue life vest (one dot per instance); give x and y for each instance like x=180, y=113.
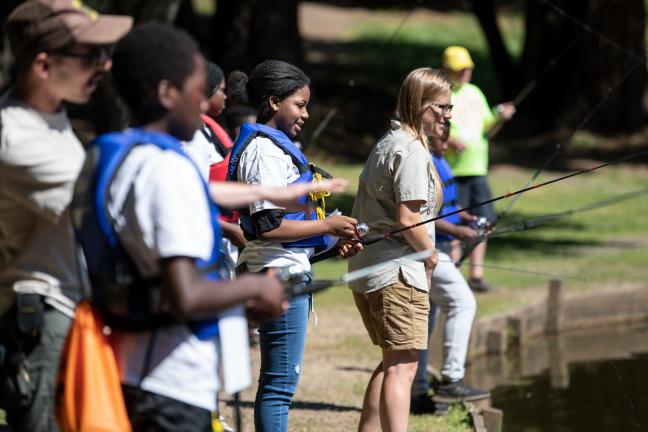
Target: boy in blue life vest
x=449, y=291
x=154, y=208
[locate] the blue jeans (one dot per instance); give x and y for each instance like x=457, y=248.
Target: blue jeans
x=282, y=346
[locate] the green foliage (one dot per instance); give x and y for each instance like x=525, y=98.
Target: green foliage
x=417, y=45
x=455, y=421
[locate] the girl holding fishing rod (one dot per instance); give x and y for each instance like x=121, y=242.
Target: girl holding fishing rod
x=264, y=154
x=400, y=187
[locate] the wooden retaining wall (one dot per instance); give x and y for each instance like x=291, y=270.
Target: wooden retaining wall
x=557, y=312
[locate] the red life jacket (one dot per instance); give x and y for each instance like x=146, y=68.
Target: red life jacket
x=218, y=171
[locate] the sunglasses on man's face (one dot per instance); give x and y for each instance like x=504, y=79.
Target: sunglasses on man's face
x=92, y=55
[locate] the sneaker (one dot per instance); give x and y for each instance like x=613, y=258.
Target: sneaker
x=457, y=391
x=480, y=285
x=422, y=404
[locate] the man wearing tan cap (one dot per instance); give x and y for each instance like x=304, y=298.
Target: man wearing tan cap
x=62, y=50
x=472, y=120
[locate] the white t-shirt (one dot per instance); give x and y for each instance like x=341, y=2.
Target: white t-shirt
x=202, y=152
x=40, y=159
x=264, y=163
x=158, y=203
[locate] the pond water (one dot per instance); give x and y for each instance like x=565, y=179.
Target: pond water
x=602, y=396
x=587, y=381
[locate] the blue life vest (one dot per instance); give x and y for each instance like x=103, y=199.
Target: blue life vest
x=248, y=132
x=449, y=195
x=126, y=300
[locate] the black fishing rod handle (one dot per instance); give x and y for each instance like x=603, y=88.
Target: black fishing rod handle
x=371, y=239
x=331, y=253
x=312, y=288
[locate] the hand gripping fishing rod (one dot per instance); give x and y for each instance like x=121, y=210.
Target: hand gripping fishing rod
x=374, y=238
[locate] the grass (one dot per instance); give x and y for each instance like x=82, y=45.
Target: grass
x=420, y=44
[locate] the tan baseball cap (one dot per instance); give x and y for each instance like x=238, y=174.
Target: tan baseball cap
x=53, y=24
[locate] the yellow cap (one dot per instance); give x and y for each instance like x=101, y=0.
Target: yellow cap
x=456, y=58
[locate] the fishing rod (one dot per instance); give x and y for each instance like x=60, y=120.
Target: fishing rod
x=588, y=28
x=529, y=272
x=546, y=219
x=292, y=279
x=554, y=61
x=638, y=60
x=374, y=238
x=531, y=85
x=559, y=146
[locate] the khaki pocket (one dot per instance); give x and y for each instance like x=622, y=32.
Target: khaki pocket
x=397, y=313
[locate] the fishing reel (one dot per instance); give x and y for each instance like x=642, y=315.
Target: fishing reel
x=480, y=226
x=290, y=275
x=293, y=281
x=361, y=230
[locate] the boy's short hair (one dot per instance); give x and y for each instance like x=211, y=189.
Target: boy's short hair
x=150, y=53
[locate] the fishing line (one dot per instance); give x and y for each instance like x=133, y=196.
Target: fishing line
x=571, y=135
x=549, y=218
x=529, y=272
x=588, y=28
x=294, y=286
x=289, y=277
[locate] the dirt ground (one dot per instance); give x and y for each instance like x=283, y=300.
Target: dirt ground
x=330, y=23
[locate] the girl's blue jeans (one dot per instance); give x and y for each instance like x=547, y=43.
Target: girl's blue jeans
x=282, y=347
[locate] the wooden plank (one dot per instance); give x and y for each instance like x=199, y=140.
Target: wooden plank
x=493, y=419
x=555, y=304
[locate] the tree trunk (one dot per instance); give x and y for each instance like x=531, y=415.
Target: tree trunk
x=624, y=23
x=505, y=69
x=231, y=34
x=248, y=32
x=585, y=65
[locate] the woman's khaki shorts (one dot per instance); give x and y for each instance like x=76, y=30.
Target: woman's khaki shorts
x=395, y=316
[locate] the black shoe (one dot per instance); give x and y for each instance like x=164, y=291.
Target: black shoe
x=480, y=285
x=422, y=404
x=457, y=391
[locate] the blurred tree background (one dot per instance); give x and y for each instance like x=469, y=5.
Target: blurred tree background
x=537, y=45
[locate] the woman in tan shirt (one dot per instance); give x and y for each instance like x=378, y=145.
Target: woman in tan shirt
x=400, y=187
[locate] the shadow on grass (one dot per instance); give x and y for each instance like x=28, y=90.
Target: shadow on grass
x=302, y=405
x=355, y=369
x=499, y=248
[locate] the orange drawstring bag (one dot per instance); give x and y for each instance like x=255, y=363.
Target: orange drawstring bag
x=89, y=394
